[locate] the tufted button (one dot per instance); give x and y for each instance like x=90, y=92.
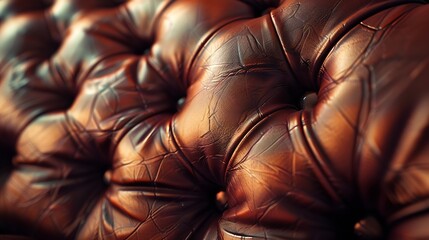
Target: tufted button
x=221, y=200
x=309, y=100
x=368, y=228
x=180, y=103
x=107, y=177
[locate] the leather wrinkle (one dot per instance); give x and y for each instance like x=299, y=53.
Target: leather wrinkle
x=247, y=132
x=189, y=166
x=283, y=47
x=355, y=20
x=369, y=86
x=327, y=183
x=201, y=46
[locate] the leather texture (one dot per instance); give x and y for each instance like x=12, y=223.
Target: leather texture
x=204, y=119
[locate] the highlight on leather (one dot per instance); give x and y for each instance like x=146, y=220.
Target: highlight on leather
x=202, y=119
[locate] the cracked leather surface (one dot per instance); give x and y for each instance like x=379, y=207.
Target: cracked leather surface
x=227, y=119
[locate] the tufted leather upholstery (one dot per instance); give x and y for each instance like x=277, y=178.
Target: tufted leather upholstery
x=204, y=119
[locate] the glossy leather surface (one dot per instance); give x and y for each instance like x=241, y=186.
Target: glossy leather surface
x=203, y=119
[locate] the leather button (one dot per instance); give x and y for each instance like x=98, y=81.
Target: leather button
x=107, y=176
x=309, y=101
x=221, y=200
x=180, y=102
x=368, y=228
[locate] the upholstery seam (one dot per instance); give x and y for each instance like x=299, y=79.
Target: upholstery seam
x=184, y=159
x=158, y=72
x=79, y=81
x=338, y=34
x=279, y=39
x=157, y=19
x=318, y=63
x=345, y=26
x=236, y=143
x=319, y=170
x=201, y=46
x=131, y=26
x=411, y=210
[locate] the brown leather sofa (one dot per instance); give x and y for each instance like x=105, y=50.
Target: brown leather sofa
x=214, y=119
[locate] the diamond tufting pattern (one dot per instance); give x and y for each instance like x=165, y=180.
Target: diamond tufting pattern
x=203, y=119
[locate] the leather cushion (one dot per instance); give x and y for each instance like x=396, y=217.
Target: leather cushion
x=190, y=119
